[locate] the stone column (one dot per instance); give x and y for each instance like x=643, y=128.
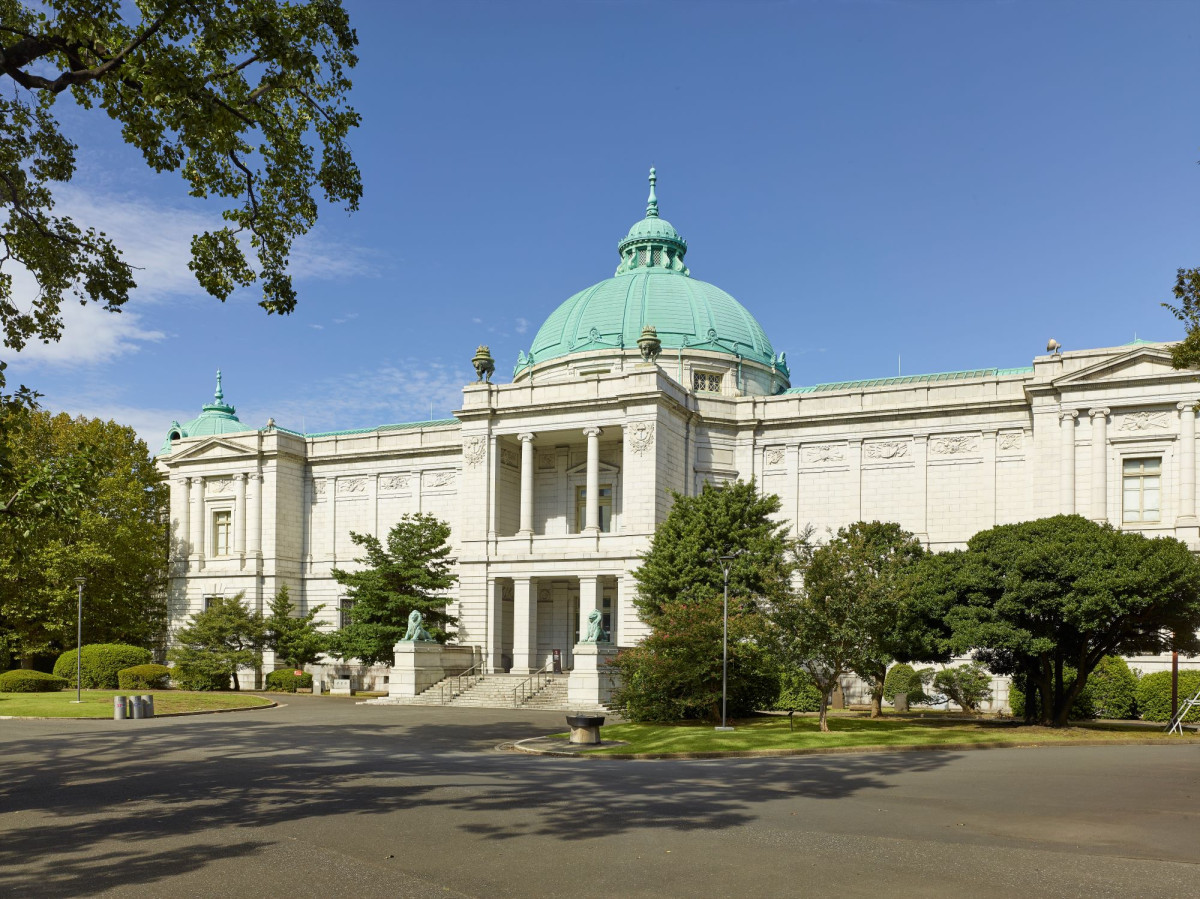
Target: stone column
x=1066, y=475
x=989, y=476
x=592, y=519
x=526, y=485
x=239, y=528
x=331, y=518
x=921, y=466
x=1187, y=466
x=197, y=535
x=524, y=626
x=184, y=486
x=1099, y=464
x=255, y=547
x=495, y=626
x=854, y=452
x=591, y=596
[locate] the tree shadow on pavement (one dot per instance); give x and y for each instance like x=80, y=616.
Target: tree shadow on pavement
x=85, y=811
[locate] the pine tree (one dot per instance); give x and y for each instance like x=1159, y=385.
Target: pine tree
x=217, y=642
x=294, y=639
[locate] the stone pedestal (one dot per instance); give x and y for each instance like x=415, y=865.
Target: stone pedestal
x=418, y=666
x=591, y=684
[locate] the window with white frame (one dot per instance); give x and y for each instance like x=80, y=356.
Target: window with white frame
x=604, y=508
x=1141, y=490
x=706, y=382
x=222, y=528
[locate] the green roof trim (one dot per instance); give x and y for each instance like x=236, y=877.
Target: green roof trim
x=902, y=380
x=352, y=431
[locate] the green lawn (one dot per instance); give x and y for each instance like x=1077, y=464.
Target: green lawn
x=99, y=703
x=772, y=733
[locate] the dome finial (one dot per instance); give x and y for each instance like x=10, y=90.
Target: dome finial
x=652, y=202
x=219, y=396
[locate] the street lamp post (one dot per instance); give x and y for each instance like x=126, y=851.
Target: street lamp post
x=79, y=582
x=725, y=561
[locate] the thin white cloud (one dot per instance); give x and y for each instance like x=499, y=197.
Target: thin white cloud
x=521, y=326
x=90, y=335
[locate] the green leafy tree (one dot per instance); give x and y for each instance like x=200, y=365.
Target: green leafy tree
x=413, y=572
x=676, y=671
x=217, y=642
x=113, y=533
x=245, y=99
x=1186, y=353
x=294, y=639
x=967, y=685
x=1038, y=599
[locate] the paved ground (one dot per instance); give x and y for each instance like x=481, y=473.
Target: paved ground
x=328, y=797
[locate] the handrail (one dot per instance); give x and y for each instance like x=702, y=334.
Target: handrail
x=520, y=688
x=458, y=679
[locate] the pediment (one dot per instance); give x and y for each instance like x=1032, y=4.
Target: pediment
x=208, y=450
x=605, y=468
x=1142, y=363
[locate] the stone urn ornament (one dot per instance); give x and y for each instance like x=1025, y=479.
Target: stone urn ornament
x=484, y=364
x=649, y=343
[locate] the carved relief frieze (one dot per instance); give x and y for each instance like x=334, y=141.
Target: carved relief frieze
x=351, y=486
x=393, y=483
x=545, y=461
x=774, y=456
x=641, y=436
x=1144, y=421
x=443, y=478
x=1010, y=441
x=886, y=450
x=509, y=458
x=817, y=453
x=318, y=486
x=958, y=445
x=474, y=450
x=218, y=485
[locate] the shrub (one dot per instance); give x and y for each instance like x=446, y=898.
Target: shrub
x=101, y=664
x=798, y=692
x=23, y=681
x=967, y=685
x=1154, y=694
x=901, y=679
x=1112, y=688
x=285, y=680
x=197, y=675
x=144, y=677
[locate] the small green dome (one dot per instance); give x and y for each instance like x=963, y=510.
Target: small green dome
x=652, y=287
x=215, y=418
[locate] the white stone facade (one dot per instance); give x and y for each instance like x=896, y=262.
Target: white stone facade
x=944, y=455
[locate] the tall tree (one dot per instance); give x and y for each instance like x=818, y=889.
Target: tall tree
x=115, y=536
x=676, y=671
x=862, y=566
x=413, y=572
x=218, y=641
x=1186, y=353
x=238, y=96
x=294, y=639
x=1041, y=599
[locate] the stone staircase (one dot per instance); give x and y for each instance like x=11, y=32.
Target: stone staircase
x=493, y=691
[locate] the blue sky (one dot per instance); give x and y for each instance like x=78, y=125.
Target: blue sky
x=950, y=183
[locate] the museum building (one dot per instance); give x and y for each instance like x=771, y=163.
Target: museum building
x=652, y=382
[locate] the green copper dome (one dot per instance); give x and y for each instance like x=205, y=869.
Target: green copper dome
x=653, y=287
x=215, y=418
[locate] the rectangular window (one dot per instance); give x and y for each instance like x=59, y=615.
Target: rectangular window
x=706, y=382
x=606, y=494
x=222, y=525
x=344, y=607
x=1141, y=490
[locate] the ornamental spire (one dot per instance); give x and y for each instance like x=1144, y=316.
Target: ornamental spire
x=219, y=396
x=652, y=201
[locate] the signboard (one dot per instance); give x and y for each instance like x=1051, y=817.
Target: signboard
x=558, y=661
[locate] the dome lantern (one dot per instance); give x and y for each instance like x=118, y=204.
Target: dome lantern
x=653, y=242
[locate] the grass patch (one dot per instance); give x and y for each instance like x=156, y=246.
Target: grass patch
x=99, y=703
x=772, y=733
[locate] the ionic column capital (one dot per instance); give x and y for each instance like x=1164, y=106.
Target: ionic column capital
x=592, y=432
x=1070, y=413
x=1186, y=407
x=1099, y=413
x=527, y=437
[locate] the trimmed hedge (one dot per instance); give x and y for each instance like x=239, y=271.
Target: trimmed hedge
x=285, y=681
x=24, y=681
x=798, y=692
x=901, y=679
x=1154, y=694
x=1112, y=689
x=102, y=663
x=197, y=678
x=144, y=677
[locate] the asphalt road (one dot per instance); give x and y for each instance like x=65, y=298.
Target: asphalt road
x=328, y=797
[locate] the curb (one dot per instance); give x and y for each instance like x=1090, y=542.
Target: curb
x=832, y=750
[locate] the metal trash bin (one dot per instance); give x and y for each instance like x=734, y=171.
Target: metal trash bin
x=148, y=705
x=139, y=710
x=120, y=708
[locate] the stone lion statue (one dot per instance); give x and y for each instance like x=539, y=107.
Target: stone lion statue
x=416, y=633
x=595, y=630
